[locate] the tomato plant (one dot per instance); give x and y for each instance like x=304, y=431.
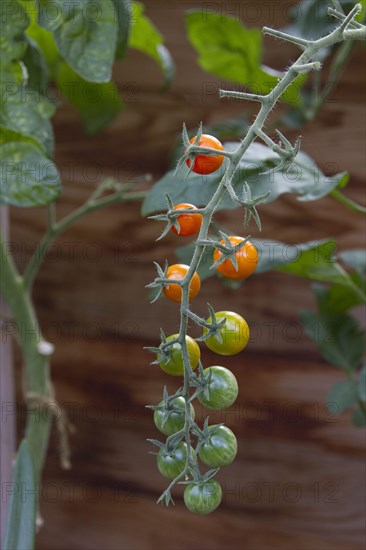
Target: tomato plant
x=43, y=46
x=205, y=164
x=226, y=332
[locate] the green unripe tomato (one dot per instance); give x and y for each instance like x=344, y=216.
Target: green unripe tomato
x=220, y=448
x=234, y=333
x=175, y=365
x=222, y=388
x=176, y=419
x=203, y=498
x=172, y=464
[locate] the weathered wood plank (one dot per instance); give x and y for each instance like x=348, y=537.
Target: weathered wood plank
x=297, y=472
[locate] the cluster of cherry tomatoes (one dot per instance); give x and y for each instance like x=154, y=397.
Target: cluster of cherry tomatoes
x=219, y=446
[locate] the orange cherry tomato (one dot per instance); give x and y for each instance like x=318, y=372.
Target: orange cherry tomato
x=174, y=291
x=247, y=258
x=189, y=224
x=206, y=164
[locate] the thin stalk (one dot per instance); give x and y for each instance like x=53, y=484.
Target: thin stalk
x=348, y=202
x=56, y=228
x=37, y=368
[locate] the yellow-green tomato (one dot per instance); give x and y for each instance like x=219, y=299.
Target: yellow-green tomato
x=234, y=334
x=175, y=365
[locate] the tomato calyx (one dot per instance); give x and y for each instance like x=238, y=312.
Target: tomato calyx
x=212, y=326
x=204, y=435
x=164, y=351
x=201, y=382
x=171, y=216
x=228, y=250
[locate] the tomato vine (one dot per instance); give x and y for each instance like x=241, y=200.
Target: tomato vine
x=202, y=493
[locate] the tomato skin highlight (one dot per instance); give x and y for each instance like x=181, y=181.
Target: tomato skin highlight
x=203, y=498
x=222, y=389
x=207, y=164
x=234, y=333
x=175, y=366
x=177, y=272
x=221, y=447
x=172, y=464
x=247, y=258
x=189, y=224
x=176, y=419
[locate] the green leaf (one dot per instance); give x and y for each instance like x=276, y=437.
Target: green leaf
x=228, y=50
x=338, y=298
x=20, y=528
x=14, y=21
x=22, y=111
x=124, y=14
x=338, y=337
x=295, y=258
x=28, y=178
x=319, y=264
x=37, y=68
x=343, y=395
x=356, y=259
x=359, y=417
x=310, y=19
x=302, y=178
x=27, y=113
x=97, y=103
x=85, y=32
x=362, y=384
x=147, y=39
x=225, y=47
x=46, y=43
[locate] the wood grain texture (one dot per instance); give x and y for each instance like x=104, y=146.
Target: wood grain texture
x=298, y=482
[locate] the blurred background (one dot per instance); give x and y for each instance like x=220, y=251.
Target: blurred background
x=298, y=480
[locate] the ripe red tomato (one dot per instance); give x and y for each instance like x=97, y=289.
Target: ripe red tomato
x=174, y=291
x=247, y=258
x=206, y=164
x=189, y=224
